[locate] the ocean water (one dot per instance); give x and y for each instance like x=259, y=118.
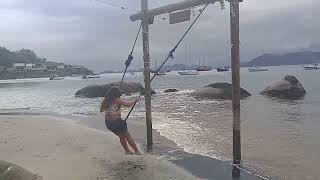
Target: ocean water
x=280, y=138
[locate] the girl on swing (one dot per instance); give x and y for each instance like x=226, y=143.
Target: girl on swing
x=111, y=105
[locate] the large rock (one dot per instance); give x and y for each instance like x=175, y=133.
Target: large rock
x=9, y=171
x=287, y=88
x=171, y=90
x=100, y=90
x=218, y=91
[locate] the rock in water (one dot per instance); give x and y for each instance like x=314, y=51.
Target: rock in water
x=218, y=91
x=9, y=171
x=100, y=90
x=287, y=88
x=171, y=90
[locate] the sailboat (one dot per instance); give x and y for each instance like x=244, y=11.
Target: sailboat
x=187, y=72
x=156, y=70
x=203, y=67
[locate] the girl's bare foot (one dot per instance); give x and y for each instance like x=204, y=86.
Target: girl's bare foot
x=129, y=153
x=137, y=153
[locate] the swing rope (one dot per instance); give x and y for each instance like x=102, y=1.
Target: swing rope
x=130, y=57
x=170, y=55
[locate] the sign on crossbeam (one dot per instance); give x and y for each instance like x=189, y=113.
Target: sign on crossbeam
x=150, y=20
x=178, y=17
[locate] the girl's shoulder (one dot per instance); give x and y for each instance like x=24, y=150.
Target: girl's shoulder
x=117, y=101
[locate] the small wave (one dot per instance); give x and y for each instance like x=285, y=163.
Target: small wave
x=174, y=128
x=15, y=109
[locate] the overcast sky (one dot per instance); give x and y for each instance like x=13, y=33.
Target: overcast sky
x=99, y=36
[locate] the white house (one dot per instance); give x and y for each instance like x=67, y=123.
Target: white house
x=19, y=65
x=60, y=66
x=38, y=69
x=29, y=66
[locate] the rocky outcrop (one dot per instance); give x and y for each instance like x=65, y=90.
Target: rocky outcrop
x=171, y=90
x=100, y=90
x=287, y=88
x=218, y=91
x=9, y=171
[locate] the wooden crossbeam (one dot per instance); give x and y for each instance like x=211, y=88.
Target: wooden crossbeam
x=170, y=8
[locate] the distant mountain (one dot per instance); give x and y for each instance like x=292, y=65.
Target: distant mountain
x=295, y=58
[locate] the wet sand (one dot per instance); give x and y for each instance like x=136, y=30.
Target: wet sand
x=56, y=148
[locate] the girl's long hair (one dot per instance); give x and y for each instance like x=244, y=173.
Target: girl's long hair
x=112, y=94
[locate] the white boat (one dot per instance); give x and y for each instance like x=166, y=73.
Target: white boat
x=56, y=77
x=92, y=76
x=311, y=67
x=188, y=72
x=203, y=67
x=161, y=73
x=223, y=69
x=257, y=69
x=75, y=75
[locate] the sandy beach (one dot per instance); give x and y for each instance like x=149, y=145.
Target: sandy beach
x=56, y=148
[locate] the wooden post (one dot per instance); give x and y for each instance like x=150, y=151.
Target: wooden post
x=235, y=64
x=146, y=59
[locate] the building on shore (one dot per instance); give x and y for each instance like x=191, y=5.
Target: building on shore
x=45, y=69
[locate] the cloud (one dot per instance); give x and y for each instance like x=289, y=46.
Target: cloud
x=99, y=36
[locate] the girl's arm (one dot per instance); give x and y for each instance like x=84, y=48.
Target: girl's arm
x=126, y=103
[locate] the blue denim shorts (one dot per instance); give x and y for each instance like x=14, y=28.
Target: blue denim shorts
x=117, y=126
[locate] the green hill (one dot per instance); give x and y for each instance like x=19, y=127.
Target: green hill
x=7, y=57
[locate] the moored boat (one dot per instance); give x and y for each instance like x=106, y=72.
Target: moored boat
x=204, y=68
x=188, y=72
x=257, y=69
x=311, y=67
x=56, y=77
x=91, y=76
x=223, y=69
x=161, y=73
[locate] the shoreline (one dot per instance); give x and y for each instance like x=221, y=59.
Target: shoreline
x=202, y=166
x=55, y=148
x=198, y=165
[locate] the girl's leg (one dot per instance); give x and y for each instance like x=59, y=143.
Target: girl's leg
x=123, y=142
x=132, y=143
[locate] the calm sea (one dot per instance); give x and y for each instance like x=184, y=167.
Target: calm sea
x=280, y=139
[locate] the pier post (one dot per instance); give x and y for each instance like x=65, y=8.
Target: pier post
x=235, y=64
x=146, y=59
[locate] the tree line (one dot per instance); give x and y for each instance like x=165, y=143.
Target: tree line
x=7, y=57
